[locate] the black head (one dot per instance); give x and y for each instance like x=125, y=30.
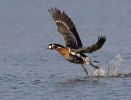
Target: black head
x=54, y=46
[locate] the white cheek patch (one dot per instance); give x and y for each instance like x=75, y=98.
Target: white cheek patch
x=50, y=46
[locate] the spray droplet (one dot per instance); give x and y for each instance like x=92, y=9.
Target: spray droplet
x=114, y=65
x=99, y=73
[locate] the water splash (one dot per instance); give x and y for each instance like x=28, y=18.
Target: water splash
x=114, y=65
x=113, y=69
x=99, y=73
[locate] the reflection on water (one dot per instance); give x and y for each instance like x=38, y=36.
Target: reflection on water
x=86, y=79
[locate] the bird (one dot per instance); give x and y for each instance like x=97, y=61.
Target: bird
x=74, y=50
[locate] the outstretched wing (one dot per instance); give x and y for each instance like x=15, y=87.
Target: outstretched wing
x=66, y=28
x=90, y=49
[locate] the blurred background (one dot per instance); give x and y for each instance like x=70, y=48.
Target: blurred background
x=28, y=71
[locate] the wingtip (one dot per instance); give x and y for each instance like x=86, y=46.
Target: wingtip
x=49, y=10
x=55, y=9
x=102, y=37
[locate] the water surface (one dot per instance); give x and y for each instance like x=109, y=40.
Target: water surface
x=28, y=71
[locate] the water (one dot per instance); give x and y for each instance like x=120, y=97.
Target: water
x=28, y=71
x=114, y=65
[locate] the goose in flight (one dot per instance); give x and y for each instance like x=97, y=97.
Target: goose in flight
x=74, y=50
